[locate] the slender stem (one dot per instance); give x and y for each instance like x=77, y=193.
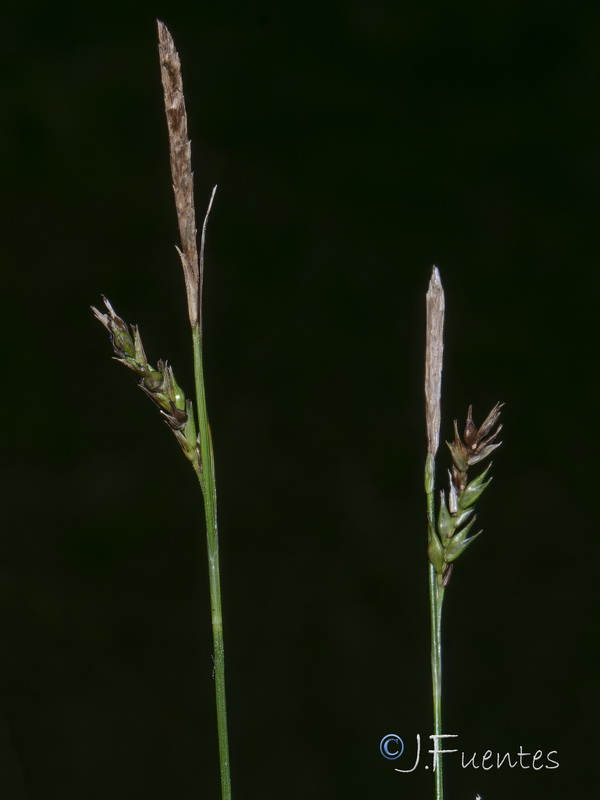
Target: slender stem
x=206, y=477
x=436, y=599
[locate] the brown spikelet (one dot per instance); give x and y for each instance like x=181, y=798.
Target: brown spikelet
x=477, y=445
x=181, y=168
x=434, y=352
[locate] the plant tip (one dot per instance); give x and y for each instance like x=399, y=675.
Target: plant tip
x=436, y=281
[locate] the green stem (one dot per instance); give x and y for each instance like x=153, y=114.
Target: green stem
x=436, y=600
x=206, y=477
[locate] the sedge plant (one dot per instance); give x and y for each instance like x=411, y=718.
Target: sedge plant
x=189, y=425
x=450, y=521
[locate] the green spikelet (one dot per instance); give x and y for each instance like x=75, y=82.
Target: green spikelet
x=159, y=384
x=456, y=516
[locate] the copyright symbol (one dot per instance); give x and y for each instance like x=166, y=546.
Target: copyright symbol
x=391, y=746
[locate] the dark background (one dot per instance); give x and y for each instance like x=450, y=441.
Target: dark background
x=355, y=144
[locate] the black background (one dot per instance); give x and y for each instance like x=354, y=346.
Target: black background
x=355, y=144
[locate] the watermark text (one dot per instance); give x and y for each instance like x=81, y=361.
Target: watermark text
x=392, y=748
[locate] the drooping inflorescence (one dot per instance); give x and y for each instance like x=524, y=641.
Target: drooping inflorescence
x=450, y=537
x=158, y=383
